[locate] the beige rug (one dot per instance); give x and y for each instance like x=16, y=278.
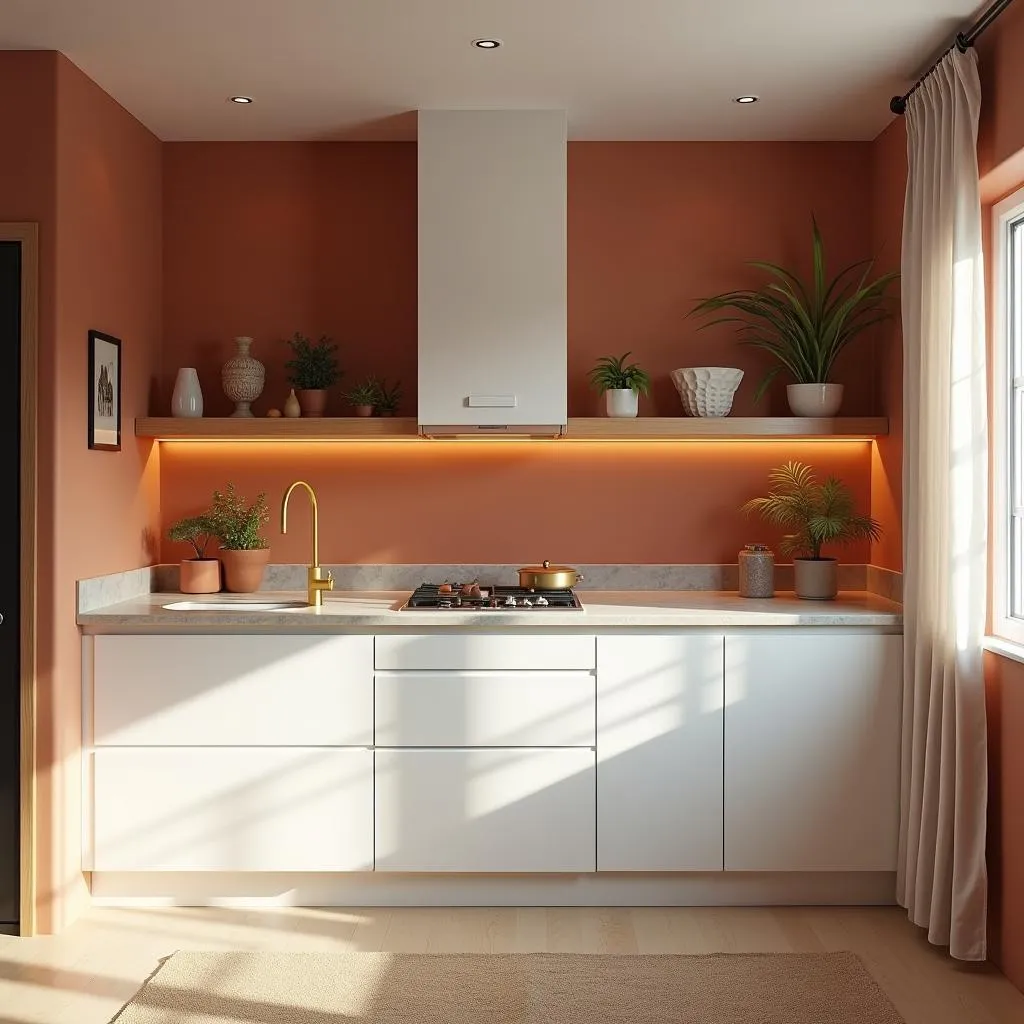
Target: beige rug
x=541, y=988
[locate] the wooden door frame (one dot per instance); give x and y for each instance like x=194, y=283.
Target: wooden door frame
x=28, y=235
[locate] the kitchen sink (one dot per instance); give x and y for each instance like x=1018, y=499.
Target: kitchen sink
x=235, y=606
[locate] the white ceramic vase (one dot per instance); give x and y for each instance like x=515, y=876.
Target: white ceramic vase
x=242, y=378
x=622, y=403
x=707, y=390
x=816, y=579
x=187, y=400
x=814, y=399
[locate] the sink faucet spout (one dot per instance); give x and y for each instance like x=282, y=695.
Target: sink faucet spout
x=318, y=579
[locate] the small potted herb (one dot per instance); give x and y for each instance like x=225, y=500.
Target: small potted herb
x=243, y=548
x=363, y=396
x=818, y=514
x=312, y=370
x=621, y=384
x=199, y=575
x=388, y=399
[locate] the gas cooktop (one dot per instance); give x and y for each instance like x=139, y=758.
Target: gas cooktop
x=471, y=597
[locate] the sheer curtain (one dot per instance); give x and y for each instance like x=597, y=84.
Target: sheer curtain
x=941, y=878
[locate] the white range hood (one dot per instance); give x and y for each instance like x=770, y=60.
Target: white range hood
x=492, y=272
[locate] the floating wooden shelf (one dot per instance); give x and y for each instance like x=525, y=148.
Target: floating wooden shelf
x=644, y=428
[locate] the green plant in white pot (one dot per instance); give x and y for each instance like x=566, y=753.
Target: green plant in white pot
x=818, y=514
x=622, y=384
x=804, y=327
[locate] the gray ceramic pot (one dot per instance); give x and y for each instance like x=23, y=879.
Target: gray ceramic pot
x=816, y=579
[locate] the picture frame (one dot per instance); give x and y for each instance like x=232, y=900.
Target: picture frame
x=104, y=392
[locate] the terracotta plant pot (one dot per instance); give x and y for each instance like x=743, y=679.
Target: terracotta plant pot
x=312, y=403
x=243, y=570
x=364, y=410
x=200, y=576
x=816, y=579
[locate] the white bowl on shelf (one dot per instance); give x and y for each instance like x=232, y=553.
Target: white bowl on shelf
x=707, y=390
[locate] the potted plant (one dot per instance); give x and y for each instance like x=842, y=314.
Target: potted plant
x=388, y=399
x=243, y=549
x=313, y=369
x=621, y=385
x=818, y=514
x=363, y=396
x=199, y=575
x=805, y=326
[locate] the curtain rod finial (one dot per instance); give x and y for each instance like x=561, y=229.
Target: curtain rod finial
x=898, y=105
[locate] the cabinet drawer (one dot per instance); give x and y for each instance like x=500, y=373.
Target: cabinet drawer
x=232, y=809
x=233, y=690
x=525, y=709
x=484, y=652
x=485, y=810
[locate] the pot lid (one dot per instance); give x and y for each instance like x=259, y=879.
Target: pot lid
x=547, y=567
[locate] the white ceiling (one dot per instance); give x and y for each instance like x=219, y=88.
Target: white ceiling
x=624, y=69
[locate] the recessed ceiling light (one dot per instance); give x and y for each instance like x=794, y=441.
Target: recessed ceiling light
x=487, y=44
x=240, y=99
x=746, y=99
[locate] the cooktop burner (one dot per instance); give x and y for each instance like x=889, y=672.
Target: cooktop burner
x=477, y=597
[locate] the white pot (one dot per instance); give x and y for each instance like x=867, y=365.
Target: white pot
x=622, y=402
x=707, y=390
x=187, y=400
x=816, y=579
x=815, y=399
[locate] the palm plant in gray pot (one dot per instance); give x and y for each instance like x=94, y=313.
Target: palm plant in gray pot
x=817, y=514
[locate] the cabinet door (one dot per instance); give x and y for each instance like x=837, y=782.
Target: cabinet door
x=286, y=691
x=659, y=753
x=497, y=709
x=812, y=762
x=505, y=810
x=233, y=809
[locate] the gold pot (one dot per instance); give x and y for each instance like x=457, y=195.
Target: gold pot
x=549, y=577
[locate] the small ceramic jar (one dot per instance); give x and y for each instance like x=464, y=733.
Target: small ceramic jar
x=757, y=571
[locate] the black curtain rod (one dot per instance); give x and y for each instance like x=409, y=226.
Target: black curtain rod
x=963, y=42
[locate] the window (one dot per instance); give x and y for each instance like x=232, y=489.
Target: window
x=1008, y=428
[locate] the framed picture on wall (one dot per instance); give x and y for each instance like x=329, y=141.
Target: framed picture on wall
x=104, y=392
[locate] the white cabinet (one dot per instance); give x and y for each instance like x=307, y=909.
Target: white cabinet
x=812, y=740
x=483, y=652
x=512, y=810
x=659, y=752
x=497, y=709
x=232, y=809
x=233, y=690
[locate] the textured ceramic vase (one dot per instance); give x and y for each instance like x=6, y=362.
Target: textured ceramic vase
x=242, y=377
x=707, y=390
x=621, y=403
x=816, y=579
x=187, y=400
x=814, y=399
x=243, y=570
x=200, y=576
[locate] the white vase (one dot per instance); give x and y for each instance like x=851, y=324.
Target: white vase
x=622, y=403
x=816, y=579
x=814, y=399
x=707, y=390
x=187, y=400
x=242, y=378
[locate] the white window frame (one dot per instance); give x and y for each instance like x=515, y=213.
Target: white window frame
x=1008, y=423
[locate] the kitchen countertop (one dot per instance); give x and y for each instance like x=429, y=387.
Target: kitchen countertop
x=349, y=611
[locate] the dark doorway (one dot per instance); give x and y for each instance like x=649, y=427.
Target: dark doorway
x=10, y=584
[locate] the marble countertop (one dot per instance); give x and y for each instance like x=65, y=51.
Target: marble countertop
x=379, y=610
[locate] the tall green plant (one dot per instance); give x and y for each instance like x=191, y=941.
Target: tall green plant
x=817, y=513
x=238, y=523
x=314, y=366
x=804, y=326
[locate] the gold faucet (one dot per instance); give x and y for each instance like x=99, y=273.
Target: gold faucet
x=318, y=579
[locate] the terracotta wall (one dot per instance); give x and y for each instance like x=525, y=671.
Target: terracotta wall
x=1001, y=159
x=264, y=239
x=90, y=174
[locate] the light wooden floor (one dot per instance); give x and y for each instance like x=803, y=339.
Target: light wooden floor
x=85, y=975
